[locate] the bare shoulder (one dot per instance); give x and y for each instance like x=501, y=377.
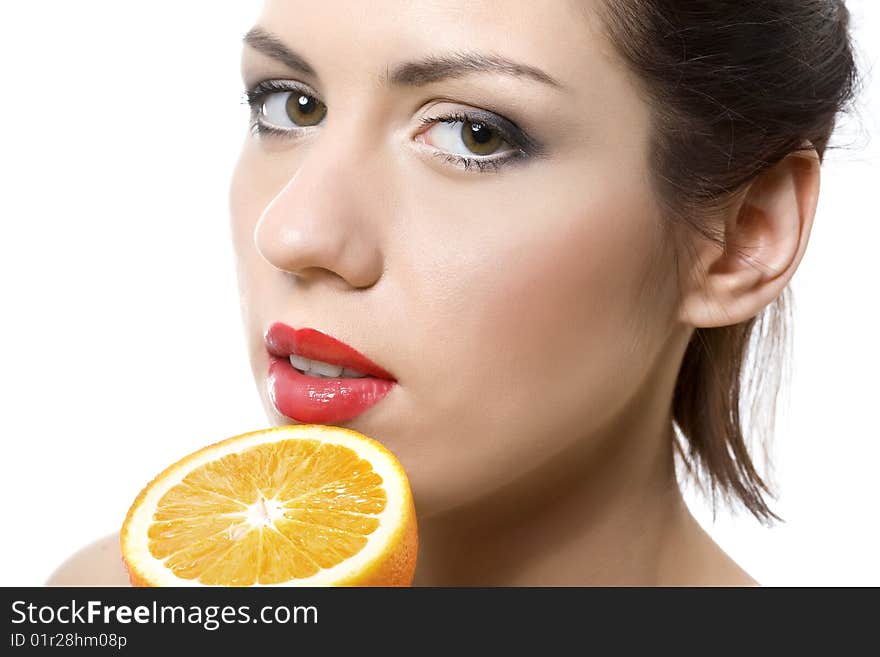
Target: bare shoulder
x=97, y=564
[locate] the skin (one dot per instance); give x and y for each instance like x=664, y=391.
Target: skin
x=533, y=316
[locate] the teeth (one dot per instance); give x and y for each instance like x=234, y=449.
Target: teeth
x=325, y=369
x=322, y=370
x=300, y=363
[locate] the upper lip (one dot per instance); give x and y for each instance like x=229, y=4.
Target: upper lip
x=283, y=340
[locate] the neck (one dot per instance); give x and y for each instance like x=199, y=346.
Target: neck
x=609, y=513
x=607, y=528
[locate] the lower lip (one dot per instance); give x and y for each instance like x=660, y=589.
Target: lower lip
x=321, y=401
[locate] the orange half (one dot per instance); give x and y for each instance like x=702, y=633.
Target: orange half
x=296, y=505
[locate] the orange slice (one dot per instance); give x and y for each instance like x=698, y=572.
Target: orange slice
x=297, y=505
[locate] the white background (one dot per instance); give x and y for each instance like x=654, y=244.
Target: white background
x=122, y=347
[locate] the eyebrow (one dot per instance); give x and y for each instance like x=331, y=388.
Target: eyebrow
x=418, y=73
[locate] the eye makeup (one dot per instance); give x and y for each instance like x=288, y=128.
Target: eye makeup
x=521, y=145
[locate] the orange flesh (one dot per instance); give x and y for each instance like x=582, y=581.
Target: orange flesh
x=269, y=514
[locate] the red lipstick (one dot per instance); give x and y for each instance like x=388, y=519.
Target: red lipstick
x=312, y=399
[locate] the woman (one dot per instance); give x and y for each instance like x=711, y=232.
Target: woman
x=549, y=232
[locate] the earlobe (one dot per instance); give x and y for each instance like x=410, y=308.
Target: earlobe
x=765, y=237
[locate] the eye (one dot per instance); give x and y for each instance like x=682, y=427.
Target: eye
x=291, y=109
x=463, y=135
x=279, y=108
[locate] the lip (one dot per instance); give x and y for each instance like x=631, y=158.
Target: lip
x=318, y=400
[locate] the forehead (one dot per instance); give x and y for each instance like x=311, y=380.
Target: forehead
x=353, y=46
x=561, y=37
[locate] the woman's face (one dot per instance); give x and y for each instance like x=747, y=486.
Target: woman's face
x=520, y=307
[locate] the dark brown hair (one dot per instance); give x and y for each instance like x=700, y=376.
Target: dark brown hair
x=735, y=86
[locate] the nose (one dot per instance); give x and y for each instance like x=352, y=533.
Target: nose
x=318, y=222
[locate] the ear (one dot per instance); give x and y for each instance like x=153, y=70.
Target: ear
x=765, y=235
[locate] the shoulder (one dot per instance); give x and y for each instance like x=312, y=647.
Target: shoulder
x=97, y=564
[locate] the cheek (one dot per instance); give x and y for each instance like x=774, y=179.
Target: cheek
x=575, y=293
x=243, y=209
x=249, y=192
x=565, y=308
x=545, y=326
x=560, y=288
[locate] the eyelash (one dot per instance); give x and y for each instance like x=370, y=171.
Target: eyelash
x=483, y=164
x=255, y=96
